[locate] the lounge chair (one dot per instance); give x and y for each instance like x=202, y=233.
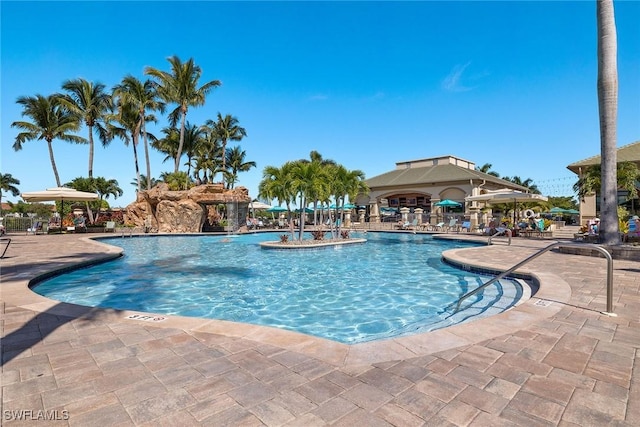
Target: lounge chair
x=110, y=226
x=439, y=226
x=36, y=228
x=453, y=225
x=466, y=225
x=480, y=227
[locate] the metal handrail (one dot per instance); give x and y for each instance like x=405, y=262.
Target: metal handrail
x=506, y=232
x=600, y=249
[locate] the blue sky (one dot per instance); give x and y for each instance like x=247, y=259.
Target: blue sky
x=366, y=84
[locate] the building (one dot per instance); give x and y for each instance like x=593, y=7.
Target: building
x=590, y=205
x=416, y=186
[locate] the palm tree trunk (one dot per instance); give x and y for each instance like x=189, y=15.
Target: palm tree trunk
x=183, y=120
x=146, y=151
x=135, y=158
x=608, y=112
x=53, y=163
x=90, y=151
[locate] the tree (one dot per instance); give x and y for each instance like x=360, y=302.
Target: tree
x=129, y=130
x=107, y=187
x=8, y=183
x=49, y=121
x=90, y=103
x=276, y=184
x=486, y=168
x=627, y=175
x=143, y=97
x=144, y=178
x=235, y=164
x=608, y=114
x=180, y=86
x=227, y=129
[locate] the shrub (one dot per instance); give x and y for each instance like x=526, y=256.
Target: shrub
x=344, y=234
x=318, y=235
x=284, y=238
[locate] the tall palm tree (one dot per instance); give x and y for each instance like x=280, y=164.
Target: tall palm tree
x=49, y=121
x=227, y=129
x=129, y=131
x=236, y=163
x=608, y=113
x=90, y=103
x=180, y=86
x=8, y=183
x=144, y=98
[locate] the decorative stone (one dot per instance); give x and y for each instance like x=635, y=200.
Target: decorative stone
x=184, y=211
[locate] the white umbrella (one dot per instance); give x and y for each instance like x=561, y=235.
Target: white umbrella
x=59, y=194
x=258, y=205
x=506, y=196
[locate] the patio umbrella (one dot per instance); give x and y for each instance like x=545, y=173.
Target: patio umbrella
x=507, y=196
x=447, y=203
x=59, y=194
x=276, y=209
x=257, y=205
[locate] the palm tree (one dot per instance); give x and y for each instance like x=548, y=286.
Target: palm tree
x=590, y=182
x=143, y=97
x=226, y=129
x=346, y=184
x=193, y=139
x=144, y=178
x=276, y=184
x=608, y=113
x=129, y=131
x=322, y=195
x=90, y=103
x=235, y=162
x=181, y=87
x=306, y=177
x=8, y=183
x=49, y=121
x=107, y=187
x=169, y=144
x=486, y=168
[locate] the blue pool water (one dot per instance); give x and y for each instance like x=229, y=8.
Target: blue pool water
x=392, y=285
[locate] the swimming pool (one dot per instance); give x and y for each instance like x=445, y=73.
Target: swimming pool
x=394, y=284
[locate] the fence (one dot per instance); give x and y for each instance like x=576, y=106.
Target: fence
x=14, y=224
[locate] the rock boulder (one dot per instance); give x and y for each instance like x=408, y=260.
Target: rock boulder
x=167, y=211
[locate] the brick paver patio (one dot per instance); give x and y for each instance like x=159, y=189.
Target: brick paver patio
x=553, y=360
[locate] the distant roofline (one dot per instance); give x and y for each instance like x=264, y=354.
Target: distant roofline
x=435, y=161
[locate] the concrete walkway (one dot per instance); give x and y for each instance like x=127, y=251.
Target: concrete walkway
x=553, y=360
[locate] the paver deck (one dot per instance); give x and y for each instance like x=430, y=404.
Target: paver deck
x=553, y=360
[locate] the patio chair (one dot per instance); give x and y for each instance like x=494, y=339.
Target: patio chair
x=410, y=225
x=37, y=227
